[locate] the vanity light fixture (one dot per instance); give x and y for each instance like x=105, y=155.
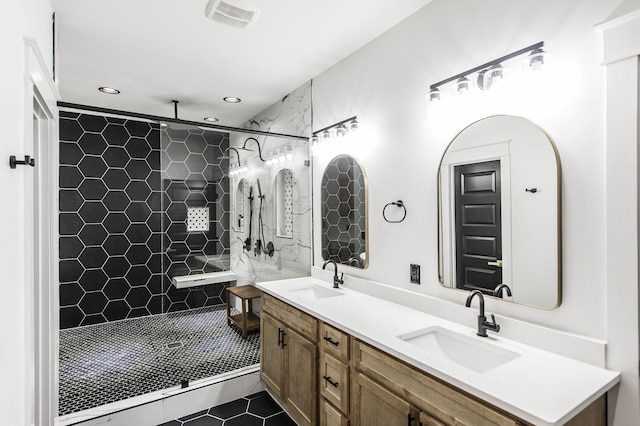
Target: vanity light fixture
x=490, y=73
x=279, y=156
x=232, y=99
x=339, y=130
x=109, y=90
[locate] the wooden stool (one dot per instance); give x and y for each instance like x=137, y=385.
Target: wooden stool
x=246, y=320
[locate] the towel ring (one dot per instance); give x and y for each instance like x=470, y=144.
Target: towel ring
x=398, y=203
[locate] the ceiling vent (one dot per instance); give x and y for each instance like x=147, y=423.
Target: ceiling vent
x=232, y=12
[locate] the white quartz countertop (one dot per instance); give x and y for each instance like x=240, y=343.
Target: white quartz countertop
x=538, y=386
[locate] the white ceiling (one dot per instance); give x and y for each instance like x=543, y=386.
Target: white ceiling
x=154, y=51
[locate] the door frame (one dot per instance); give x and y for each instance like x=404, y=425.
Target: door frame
x=497, y=151
x=41, y=237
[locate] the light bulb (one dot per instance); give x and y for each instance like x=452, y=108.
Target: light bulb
x=435, y=95
x=536, y=59
x=341, y=131
x=288, y=153
x=463, y=85
x=353, y=125
x=269, y=161
x=281, y=156
x=326, y=135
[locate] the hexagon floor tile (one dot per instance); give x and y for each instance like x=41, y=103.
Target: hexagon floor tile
x=113, y=361
x=258, y=409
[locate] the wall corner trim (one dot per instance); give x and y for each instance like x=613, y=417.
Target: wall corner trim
x=619, y=37
x=31, y=45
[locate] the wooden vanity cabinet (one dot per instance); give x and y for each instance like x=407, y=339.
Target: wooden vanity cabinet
x=350, y=383
x=427, y=401
x=289, y=358
x=431, y=400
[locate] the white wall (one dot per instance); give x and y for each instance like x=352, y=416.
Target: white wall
x=403, y=138
x=31, y=18
x=385, y=84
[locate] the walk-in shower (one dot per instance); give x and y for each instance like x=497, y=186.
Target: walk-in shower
x=154, y=222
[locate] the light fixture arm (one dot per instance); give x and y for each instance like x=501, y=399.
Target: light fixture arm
x=504, y=58
x=244, y=146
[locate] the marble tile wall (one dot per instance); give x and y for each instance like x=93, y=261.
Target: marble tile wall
x=291, y=257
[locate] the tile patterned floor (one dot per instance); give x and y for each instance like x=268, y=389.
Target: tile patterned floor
x=110, y=362
x=255, y=410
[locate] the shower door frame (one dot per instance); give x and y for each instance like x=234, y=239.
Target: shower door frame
x=41, y=237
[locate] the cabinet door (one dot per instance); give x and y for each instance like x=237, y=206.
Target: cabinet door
x=271, y=354
x=373, y=405
x=301, y=374
x=330, y=416
x=427, y=420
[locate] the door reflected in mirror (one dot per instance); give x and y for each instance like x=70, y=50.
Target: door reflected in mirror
x=499, y=212
x=344, y=212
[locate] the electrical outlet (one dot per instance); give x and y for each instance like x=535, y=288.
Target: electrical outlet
x=414, y=273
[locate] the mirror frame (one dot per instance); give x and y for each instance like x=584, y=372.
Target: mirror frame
x=558, y=214
x=366, y=212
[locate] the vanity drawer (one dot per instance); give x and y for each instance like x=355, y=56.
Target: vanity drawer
x=294, y=318
x=334, y=341
x=330, y=416
x=444, y=403
x=334, y=381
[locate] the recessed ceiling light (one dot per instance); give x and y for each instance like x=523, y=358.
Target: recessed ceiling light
x=108, y=90
x=211, y=119
x=232, y=99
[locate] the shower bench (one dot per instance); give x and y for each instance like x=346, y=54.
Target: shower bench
x=246, y=320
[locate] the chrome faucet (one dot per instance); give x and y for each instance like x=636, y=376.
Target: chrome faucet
x=497, y=290
x=336, y=280
x=483, y=324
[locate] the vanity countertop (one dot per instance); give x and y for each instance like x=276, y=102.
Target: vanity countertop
x=538, y=386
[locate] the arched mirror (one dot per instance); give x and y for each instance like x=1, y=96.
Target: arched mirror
x=344, y=212
x=499, y=212
x=283, y=190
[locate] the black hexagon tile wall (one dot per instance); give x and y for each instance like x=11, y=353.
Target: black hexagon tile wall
x=119, y=204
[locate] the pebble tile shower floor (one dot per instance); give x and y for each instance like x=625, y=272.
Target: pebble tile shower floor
x=109, y=362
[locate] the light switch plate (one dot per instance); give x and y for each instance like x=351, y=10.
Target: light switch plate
x=414, y=273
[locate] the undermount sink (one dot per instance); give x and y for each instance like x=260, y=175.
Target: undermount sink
x=314, y=292
x=463, y=350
